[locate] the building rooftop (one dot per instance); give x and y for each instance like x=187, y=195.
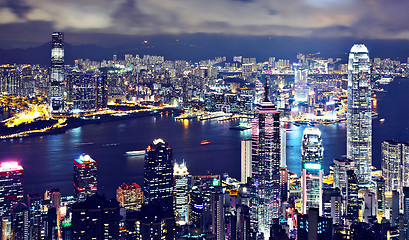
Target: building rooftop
x=10, y=166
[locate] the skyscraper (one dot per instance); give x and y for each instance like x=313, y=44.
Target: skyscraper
x=301, y=90
x=85, y=177
x=56, y=88
x=82, y=90
x=359, y=113
x=311, y=169
x=245, y=160
x=266, y=154
x=181, y=198
x=391, y=152
x=158, y=176
x=11, y=186
x=20, y=221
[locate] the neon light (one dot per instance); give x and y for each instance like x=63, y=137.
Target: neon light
x=312, y=166
x=10, y=166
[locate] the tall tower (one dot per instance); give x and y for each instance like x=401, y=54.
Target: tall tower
x=266, y=152
x=85, y=177
x=301, y=90
x=181, y=199
x=56, y=88
x=11, y=186
x=245, y=160
x=359, y=113
x=311, y=170
x=158, y=176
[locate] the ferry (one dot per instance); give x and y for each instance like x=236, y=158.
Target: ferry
x=382, y=120
x=212, y=115
x=135, y=153
x=204, y=142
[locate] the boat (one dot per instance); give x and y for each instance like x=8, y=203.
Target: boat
x=382, y=120
x=204, y=142
x=135, y=153
x=211, y=115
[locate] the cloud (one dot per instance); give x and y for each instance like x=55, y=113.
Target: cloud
x=302, y=18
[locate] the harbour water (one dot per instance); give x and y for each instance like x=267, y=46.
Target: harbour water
x=48, y=160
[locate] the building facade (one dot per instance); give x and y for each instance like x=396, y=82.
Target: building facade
x=266, y=152
x=85, y=177
x=56, y=89
x=359, y=113
x=130, y=196
x=11, y=186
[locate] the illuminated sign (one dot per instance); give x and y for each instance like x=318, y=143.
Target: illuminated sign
x=312, y=166
x=216, y=182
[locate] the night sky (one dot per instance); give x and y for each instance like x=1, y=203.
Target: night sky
x=28, y=23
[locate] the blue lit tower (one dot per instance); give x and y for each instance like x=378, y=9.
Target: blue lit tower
x=85, y=177
x=56, y=88
x=265, y=177
x=311, y=170
x=158, y=176
x=359, y=113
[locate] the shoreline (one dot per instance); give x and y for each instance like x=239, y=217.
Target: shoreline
x=74, y=122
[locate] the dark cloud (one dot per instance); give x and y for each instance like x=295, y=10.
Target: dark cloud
x=18, y=7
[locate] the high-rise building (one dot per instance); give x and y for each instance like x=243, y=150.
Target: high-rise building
x=20, y=221
x=245, y=160
x=312, y=153
x=359, y=113
x=352, y=201
x=266, y=154
x=158, y=175
x=301, y=89
x=218, y=215
x=130, y=196
x=82, y=90
x=11, y=186
x=101, y=98
x=395, y=165
x=85, y=177
x=56, y=90
x=181, y=193
x=95, y=218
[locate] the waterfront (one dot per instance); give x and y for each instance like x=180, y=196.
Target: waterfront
x=48, y=160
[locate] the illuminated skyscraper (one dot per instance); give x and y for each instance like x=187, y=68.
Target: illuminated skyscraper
x=359, y=113
x=301, y=89
x=311, y=169
x=82, y=90
x=130, y=196
x=266, y=152
x=158, y=176
x=56, y=88
x=181, y=199
x=245, y=160
x=11, y=186
x=85, y=177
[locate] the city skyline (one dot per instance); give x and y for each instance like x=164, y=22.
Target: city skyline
x=203, y=112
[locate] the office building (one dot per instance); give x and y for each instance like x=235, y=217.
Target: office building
x=266, y=152
x=218, y=216
x=313, y=227
x=181, y=193
x=130, y=196
x=20, y=221
x=82, y=90
x=359, y=113
x=158, y=176
x=95, y=218
x=301, y=89
x=85, y=177
x=56, y=90
x=352, y=201
x=245, y=160
x=11, y=186
x=312, y=153
x=101, y=97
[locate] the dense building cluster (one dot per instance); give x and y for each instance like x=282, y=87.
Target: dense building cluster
x=269, y=202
